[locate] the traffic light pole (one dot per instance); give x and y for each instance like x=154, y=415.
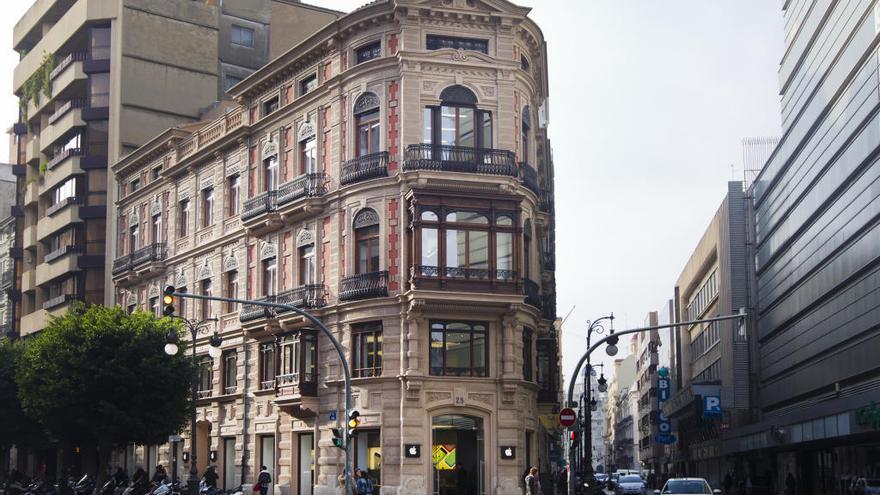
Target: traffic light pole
x=613, y=337
x=342, y=362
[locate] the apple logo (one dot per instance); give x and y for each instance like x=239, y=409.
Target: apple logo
x=508, y=452
x=413, y=450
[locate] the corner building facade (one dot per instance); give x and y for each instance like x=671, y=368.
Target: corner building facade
x=392, y=175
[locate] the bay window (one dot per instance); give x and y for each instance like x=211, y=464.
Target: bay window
x=267, y=365
x=298, y=360
x=367, y=350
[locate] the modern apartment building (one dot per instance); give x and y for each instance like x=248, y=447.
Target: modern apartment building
x=815, y=248
x=623, y=410
x=392, y=175
x=97, y=79
x=712, y=359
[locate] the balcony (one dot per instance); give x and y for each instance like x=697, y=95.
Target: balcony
x=31, y=193
x=63, y=251
x=364, y=168
x=6, y=279
x=55, y=302
x=33, y=322
x=251, y=312
x=259, y=214
x=532, y=291
x=443, y=158
x=304, y=186
x=64, y=263
x=546, y=203
x=311, y=296
x=32, y=153
x=64, y=120
x=144, y=263
x=300, y=197
x=61, y=167
x=464, y=279
x=28, y=280
x=29, y=236
x=364, y=286
x=529, y=177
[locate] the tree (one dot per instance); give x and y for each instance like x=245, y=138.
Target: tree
x=16, y=428
x=98, y=375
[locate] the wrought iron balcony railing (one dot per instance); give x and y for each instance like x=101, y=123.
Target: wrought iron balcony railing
x=121, y=264
x=63, y=109
x=308, y=185
x=147, y=254
x=547, y=201
x=460, y=159
x=532, y=292
x=462, y=273
x=65, y=62
x=64, y=155
x=364, y=168
x=259, y=204
x=62, y=251
x=250, y=312
x=307, y=296
x=529, y=177
x=364, y=286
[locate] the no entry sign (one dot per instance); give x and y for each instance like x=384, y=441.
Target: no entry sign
x=567, y=417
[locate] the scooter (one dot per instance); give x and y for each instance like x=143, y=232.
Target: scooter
x=204, y=489
x=85, y=486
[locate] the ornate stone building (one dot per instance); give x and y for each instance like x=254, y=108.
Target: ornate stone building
x=391, y=174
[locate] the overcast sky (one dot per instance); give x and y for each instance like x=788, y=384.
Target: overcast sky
x=649, y=103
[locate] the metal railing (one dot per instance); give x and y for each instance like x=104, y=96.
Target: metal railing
x=462, y=273
x=65, y=62
x=62, y=251
x=63, y=109
x=308, y=185
x=250, y=312
x=64, y=155
x=259, y=204
x=529, y=177
x=460, y=159
x=546, y=201
x=364, y=285
x=121, y=264
x=306, y=296
x=365, y=167
x=287, y=379
x=532, y=291
x=73, y=200
x=146, y=254
x=59, y=300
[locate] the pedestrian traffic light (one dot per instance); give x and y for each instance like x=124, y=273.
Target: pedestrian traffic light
x=338, y=441
x=168, y=301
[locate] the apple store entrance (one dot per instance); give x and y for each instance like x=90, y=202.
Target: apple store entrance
x=457, y=455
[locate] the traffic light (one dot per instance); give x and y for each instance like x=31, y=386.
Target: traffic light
x=353, y=422
x=573, y=437
x=338, y=441
x=168, y=301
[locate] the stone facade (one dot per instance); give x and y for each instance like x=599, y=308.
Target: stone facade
x=318, y=189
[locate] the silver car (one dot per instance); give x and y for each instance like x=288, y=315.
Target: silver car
x=630, y=484
x=686, y=486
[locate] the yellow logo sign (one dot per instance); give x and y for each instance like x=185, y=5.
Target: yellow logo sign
x=443, y=457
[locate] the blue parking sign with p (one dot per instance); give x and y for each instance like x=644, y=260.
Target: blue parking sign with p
x=711, y=406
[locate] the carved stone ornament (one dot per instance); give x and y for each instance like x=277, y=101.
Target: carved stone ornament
x=460, y=55
x=366, y=218
x=268, y=251
x=305, y=238
x=206, y=183
x=154, y=291
x=230, y=263
x=306, y=131
x=180, y=279
x=131, y=299
x=270, y=148
x=155, y=208
x=204, y=272
x=365, y=103
x=133, y=217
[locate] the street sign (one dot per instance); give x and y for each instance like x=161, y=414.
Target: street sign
x=173, y=438
x=711, y=406
x=567, y=417
x=664, y=438
x=332, y=415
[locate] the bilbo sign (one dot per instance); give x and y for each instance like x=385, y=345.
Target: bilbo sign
x=869, y=416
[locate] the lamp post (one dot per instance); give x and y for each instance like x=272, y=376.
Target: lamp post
x=171, y=348
x=597, y=327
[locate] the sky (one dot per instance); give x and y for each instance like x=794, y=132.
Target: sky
x=649, y=103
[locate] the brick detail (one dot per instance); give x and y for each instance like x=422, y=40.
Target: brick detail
x=393, y=246
x=251, y=270
x=343, y=138
x=392, y=44
x=287, y=261
x=325, y=250
x=327, y=71
x=325, y=140
x=342, y=243
x=393, y=119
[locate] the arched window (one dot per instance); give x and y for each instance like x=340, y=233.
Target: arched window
x=457, y=121
x=526, y=128
x=366, y=241
x=366, y=114
x=527, y=249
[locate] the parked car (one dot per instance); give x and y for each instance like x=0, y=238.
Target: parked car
x=602, y=478
x=686, y=486
x=866, y=486
x=631, y=484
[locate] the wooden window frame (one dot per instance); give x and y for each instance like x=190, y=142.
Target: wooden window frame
x=359, y=333
x=445, y=331
x=365, y=235
x=371, y=120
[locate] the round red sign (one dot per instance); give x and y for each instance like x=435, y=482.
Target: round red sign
x=567, y=417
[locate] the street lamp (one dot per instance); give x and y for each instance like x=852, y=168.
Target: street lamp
x=171, y=348
x=603, y=383
x=596, y=326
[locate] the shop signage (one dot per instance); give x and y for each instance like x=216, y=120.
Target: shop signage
x=413, y=450
x=869, y=416
x=664, y=434
x=508, y=452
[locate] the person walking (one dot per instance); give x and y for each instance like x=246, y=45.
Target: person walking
x=363, y=483
x=264, y=479
x=160, y=475
x=210, y=477
x=533, y=484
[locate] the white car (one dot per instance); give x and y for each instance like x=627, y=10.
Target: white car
x=630, y=484
x=686, y=486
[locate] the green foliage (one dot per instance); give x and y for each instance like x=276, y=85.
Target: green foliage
x=44, y=165
x=40, y=82
x=99, y=375
x=15, y=427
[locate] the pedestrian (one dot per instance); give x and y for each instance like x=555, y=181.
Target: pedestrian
x=159, y=476
x=264, y=479
x=790, y=485
x=533, y=484
x=210, y=477
x=363, y=483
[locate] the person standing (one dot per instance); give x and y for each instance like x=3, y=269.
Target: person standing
x=264, y=479
x=533, y=485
